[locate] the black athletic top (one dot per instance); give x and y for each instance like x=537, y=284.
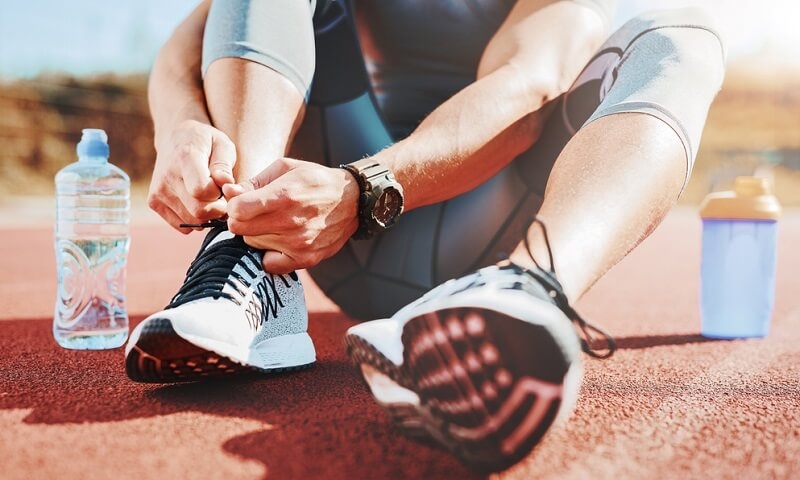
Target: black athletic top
x=418, y=52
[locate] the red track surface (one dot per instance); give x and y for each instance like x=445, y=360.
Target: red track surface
x=669, y=404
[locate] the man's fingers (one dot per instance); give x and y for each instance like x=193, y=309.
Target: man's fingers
x=273, y=171
x=261, y=194
x=172, y=218
x=222, y=160
x=195, y=174
x=275, y=222
x=230, y=190
x=274, y=259
x=215, y=209
x=178, y=207
x=255, y=203
x=278, y=263
x=197, y=210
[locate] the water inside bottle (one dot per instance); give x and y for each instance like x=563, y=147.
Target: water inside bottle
x=92, y=241
x=90, y=311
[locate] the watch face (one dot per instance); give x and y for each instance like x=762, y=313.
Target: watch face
x=388, y=207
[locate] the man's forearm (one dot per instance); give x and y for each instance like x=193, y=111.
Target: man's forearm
x=467, y=139
x=531, y=60
x=175, y=90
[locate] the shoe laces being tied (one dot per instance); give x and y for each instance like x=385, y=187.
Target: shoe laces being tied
x=215, y=267
x=547, y=278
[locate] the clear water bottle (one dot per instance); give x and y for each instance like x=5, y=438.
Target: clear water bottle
x=91, y=241
x=737, y=292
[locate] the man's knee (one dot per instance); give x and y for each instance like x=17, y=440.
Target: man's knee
x=671, y=67
x=687, y=16
x=695, y=55
x=690, y=31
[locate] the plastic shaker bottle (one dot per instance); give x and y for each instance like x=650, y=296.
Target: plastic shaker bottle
x=737, y=292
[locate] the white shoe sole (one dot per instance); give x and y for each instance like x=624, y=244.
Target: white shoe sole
x=485, y=385
x=156, y=353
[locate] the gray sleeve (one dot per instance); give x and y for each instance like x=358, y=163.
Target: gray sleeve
x=275, y=33
x=605, y=8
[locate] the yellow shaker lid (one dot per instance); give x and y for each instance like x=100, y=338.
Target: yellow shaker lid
x=751, y=198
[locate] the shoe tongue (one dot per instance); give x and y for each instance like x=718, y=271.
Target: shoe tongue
x=216, y=236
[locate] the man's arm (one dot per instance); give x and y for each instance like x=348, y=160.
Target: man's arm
x=533, y=58
x=175, y=89
x=302, y=213
x=193, y=158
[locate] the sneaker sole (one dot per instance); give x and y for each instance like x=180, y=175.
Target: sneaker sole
x=480, y=383
x=160, y=355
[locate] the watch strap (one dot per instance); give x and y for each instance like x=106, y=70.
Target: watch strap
x=363, y=231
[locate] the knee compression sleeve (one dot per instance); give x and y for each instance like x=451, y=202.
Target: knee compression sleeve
x=669, y=65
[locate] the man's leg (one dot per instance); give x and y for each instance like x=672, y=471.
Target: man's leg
x=230, y=315
x=619, y=175
x=485, y=363
x=611, y=186
x=255, y=79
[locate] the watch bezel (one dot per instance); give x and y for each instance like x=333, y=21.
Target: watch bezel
x=374, y=181
x=381, y=192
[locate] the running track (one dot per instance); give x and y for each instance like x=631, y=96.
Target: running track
x=669, y=404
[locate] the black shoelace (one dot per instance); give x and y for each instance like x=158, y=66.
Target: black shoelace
x=214, y=268
x=547, y=278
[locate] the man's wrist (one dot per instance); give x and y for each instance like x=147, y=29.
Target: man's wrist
x=360, y=190
x=351, y=196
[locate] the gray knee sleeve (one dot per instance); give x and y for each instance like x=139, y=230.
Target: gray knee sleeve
x=671, y=66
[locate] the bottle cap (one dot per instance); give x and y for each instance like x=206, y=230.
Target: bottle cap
x=94, y=143
x=750, y=199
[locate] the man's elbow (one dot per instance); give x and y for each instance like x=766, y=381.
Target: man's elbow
x=535, y=88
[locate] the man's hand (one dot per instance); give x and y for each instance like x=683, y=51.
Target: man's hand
x=191, y=167
x=299, y=212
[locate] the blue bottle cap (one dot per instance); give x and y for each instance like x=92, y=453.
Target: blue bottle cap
x=94, y=143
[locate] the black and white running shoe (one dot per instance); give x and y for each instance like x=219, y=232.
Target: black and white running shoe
x=483, y=364
x=230, y=316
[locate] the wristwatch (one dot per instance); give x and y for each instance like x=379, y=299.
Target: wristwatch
x=381, y=197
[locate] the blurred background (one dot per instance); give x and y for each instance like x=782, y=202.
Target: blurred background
x=65, y=66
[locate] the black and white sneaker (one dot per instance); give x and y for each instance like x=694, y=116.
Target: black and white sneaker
x=483, y=364
x=230, y=316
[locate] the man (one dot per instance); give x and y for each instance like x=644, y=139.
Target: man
x=511, y=140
